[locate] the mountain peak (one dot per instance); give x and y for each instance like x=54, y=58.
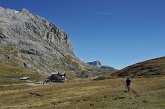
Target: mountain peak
x=39, y=43
x=95, y=63
x=24, y=10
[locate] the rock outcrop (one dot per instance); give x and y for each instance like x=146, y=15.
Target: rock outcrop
x=95, y=63
x=98, y=64
x=36, y=43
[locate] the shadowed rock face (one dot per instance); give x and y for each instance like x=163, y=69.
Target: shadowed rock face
x=39, y=43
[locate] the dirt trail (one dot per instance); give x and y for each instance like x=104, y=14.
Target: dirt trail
x=134, y=95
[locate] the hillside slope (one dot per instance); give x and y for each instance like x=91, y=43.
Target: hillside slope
x=11, y=74
x=150, y=68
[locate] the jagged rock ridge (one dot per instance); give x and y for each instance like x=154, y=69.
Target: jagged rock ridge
x=39, y=44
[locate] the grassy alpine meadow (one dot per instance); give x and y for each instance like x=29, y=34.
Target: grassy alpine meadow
x=146, y=93
x=10, y=74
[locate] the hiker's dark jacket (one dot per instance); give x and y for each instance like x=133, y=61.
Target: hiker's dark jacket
x=128, y=82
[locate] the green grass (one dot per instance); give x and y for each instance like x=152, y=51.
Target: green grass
x=10, y=68
x=11, y=74
x=148, y=93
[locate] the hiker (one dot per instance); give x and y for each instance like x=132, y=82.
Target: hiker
x=128, y=83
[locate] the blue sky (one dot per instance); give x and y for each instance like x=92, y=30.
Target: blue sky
x=116, y=32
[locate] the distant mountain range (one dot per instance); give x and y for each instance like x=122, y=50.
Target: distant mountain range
x=98, y=64
x=95, y=63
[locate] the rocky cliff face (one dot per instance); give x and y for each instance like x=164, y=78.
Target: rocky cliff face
x=35, y=43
